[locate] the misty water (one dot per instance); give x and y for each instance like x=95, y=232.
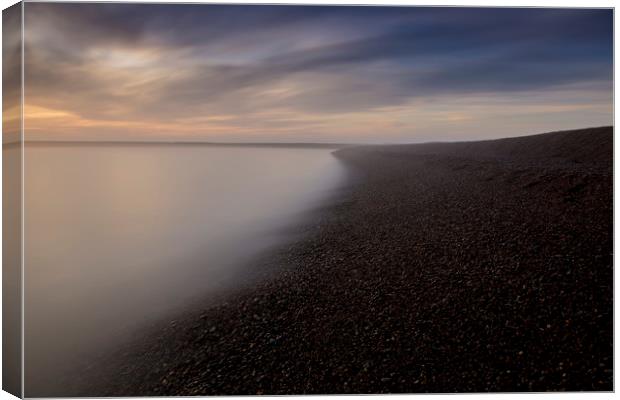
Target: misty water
x=119, y=236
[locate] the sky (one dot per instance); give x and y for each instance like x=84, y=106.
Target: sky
x=242, y=73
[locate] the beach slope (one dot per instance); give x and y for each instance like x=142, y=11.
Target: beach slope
x=442, y=267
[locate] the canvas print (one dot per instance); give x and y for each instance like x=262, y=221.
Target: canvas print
x=220, y=199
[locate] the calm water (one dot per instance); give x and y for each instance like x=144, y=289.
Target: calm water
x=118, y=236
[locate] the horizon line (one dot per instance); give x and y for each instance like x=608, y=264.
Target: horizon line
x=281, y=144
x=180, y=142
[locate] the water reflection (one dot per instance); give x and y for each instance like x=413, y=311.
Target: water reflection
x=119, y=235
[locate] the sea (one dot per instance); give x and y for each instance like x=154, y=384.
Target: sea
x=119, y=236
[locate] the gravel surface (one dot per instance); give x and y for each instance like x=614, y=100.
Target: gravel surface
x=464, y=267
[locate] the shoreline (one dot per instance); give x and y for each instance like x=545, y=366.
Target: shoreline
x=461, y=267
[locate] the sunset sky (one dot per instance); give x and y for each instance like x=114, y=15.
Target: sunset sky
x=312, y=74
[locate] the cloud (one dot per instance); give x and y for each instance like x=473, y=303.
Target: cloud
x=166, y=64
x=11, y=74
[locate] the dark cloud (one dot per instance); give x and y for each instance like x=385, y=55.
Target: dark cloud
x=412, y=61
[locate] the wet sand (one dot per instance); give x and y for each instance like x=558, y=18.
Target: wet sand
x=464, y=267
